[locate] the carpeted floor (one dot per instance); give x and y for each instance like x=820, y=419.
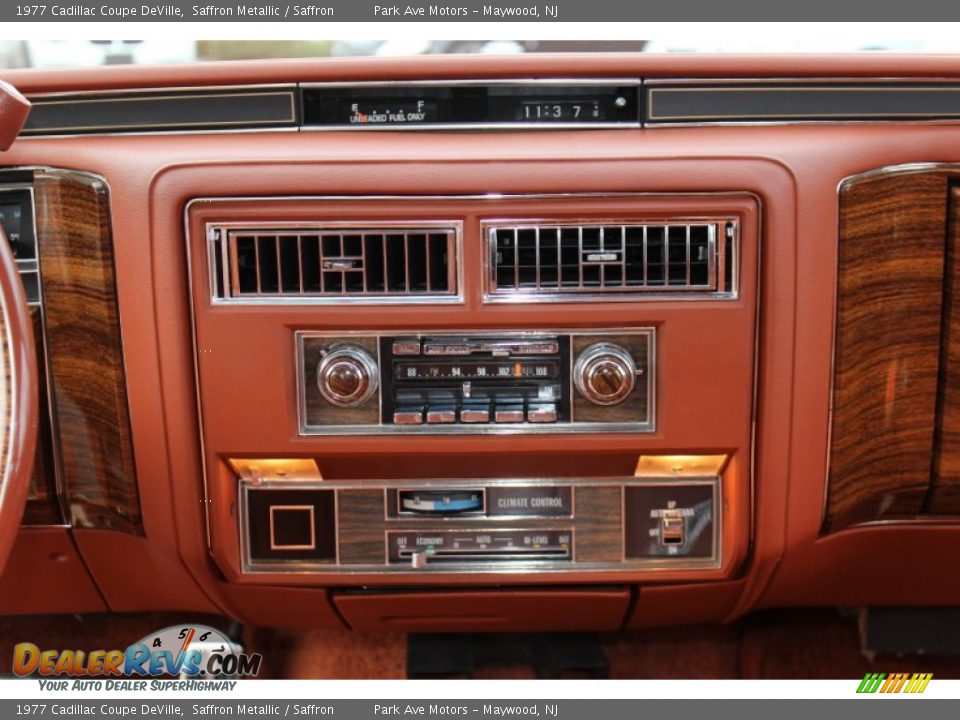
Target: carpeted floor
x=777, y=645
x=820, y=644
x=782, y=644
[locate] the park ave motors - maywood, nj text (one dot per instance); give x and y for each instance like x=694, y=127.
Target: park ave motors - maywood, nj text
x=488, y=709
x=494, y=11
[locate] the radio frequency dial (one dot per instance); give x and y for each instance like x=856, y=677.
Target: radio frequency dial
x=605, y=374
x=347, y=376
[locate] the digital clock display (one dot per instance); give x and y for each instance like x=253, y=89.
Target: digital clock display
x=561, y=111
x=472, y=103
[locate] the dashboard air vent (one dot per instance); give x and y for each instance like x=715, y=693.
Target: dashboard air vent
x=314, y=263
x=556, y=260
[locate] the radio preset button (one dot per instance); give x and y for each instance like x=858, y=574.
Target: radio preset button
x=408, y=416
x=544, y=413
x=503, y=348
x=406, y=347
x=475, y=415
x=446, y=349
x=441, y=415
x=509, y=414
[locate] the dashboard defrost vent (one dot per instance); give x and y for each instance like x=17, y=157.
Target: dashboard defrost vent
x=335, y=263
x=556, y=260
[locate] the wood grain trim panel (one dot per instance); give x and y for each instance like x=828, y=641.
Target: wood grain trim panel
x=43, y=503
x=944, y=495
x=361, y=527
x=599, y=524
x=889, y=300
x=88, y=384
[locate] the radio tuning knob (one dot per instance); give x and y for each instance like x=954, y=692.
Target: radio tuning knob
x=605, y=374
x=347, y=376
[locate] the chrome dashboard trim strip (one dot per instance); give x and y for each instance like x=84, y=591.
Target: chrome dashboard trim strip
x=484, y=127
x=161, y=89
x=284, y=92
x=478, y=82
x=788, y=80
x=664, y=86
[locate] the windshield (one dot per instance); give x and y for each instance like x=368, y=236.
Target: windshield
x=46, y=53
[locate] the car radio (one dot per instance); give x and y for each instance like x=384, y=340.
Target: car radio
x=531, y=381
x=475, y=380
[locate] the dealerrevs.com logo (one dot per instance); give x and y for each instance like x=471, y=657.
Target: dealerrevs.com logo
x=185, y=651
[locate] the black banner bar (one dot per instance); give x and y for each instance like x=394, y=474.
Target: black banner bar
x=210, y=706
x=470, y=11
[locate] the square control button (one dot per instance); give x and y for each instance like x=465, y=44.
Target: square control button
x=289, y=524
x=292, y=527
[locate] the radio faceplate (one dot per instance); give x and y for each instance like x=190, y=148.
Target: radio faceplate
x=470, y=382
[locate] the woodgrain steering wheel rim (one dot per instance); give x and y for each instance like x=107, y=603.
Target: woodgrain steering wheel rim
x=19, y=410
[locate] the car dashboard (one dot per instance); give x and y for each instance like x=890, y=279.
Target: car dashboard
x=448, y=344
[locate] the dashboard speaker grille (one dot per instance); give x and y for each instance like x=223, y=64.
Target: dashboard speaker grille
x=331, y=263
x=559, y=259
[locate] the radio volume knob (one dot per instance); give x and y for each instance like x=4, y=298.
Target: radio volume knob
x=605, y=374
x=347, y=376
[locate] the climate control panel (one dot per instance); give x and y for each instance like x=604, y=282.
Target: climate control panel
x=531, y=381
x=488, y=525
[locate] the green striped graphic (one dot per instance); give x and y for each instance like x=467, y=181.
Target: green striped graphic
x=871, y=682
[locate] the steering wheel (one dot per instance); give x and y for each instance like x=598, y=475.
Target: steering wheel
x=19, y=406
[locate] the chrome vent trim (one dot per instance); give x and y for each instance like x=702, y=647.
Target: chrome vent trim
x=330, y=263
x=610, y=259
